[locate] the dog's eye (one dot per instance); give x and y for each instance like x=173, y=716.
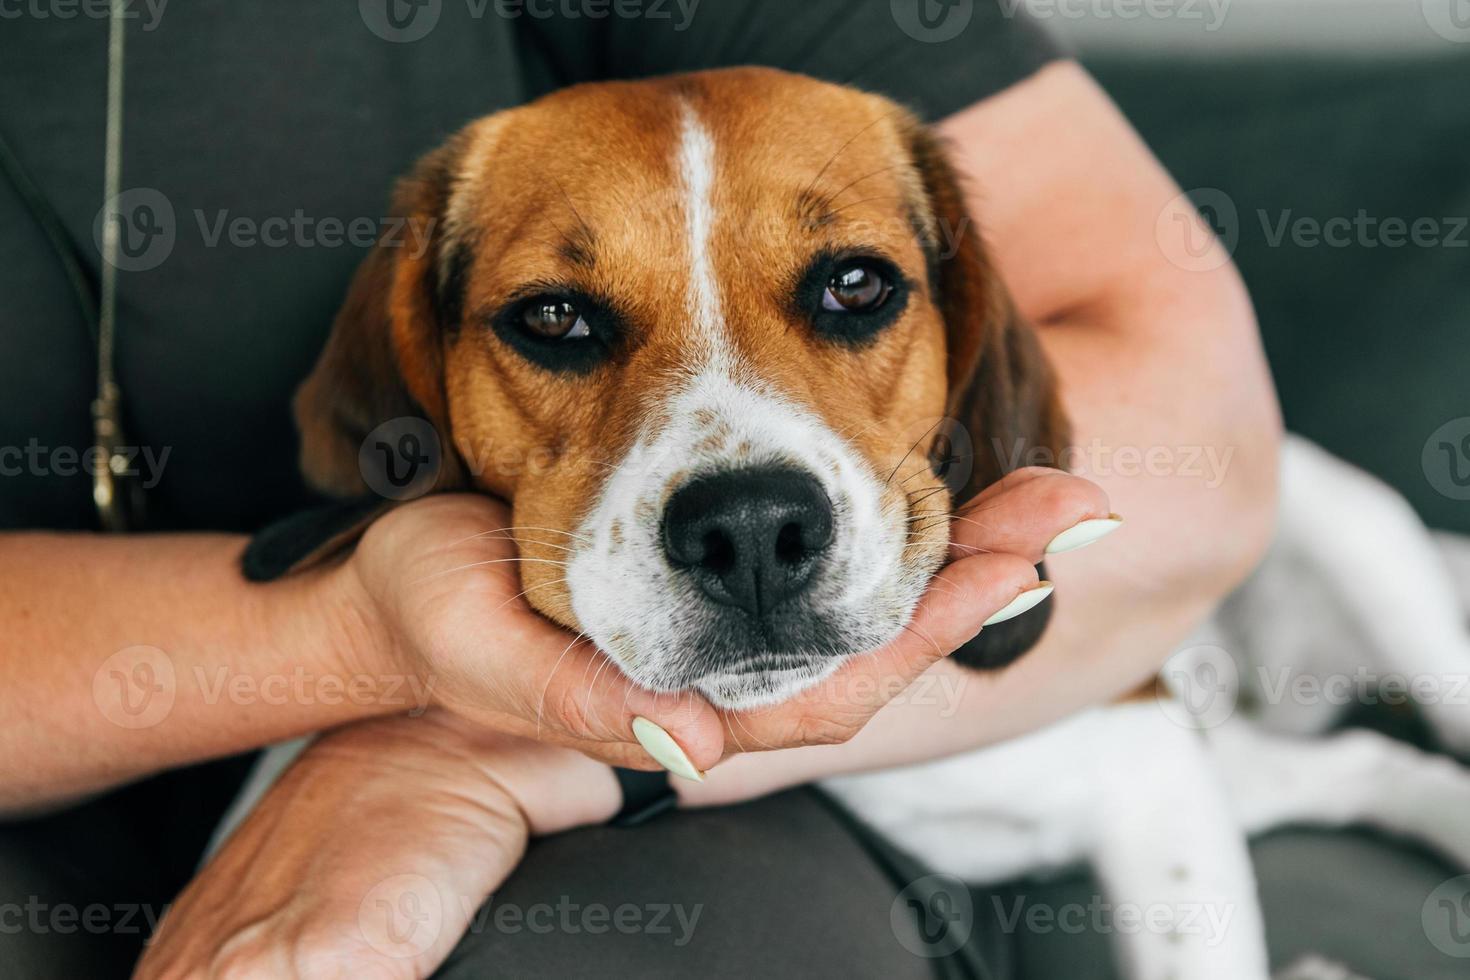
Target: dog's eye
x=851, y=299
x=856, y=288
x=555, y=319
x=561, y=330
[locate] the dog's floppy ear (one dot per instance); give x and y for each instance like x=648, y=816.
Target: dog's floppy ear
x=1002, y=389
x=384, y=360
x=372, y=415
x=1003, y=405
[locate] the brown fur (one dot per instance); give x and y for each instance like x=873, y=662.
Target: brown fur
x=582, y=188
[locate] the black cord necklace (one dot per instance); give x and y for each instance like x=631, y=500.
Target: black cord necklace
x=117, y=495
x=118, y=498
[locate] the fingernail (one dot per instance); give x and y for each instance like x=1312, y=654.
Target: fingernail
x=1025, y=602
x=665, y=751
x=1081, y=535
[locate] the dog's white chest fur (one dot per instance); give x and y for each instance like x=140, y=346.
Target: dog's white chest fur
x=1161, y=801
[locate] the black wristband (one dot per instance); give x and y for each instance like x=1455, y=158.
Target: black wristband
x=646, y=795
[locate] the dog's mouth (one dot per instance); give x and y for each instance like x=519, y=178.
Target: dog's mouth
x=756, y=688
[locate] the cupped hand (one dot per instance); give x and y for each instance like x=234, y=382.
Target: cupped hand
x=996, y=542
x=440, y=580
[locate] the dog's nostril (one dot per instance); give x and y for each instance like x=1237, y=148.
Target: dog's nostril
x=719, y=553
x=789, y=546
x=750, y=538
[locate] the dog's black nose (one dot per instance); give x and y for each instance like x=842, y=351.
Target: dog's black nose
x=751, y=538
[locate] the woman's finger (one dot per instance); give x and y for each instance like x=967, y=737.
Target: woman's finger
x=571, y=694
x=1032, y=513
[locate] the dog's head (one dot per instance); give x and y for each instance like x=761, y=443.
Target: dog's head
x=728, y=342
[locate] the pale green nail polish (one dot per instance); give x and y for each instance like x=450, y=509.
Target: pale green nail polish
x=1081, y=535
x=1023, y=603
x=665, y=751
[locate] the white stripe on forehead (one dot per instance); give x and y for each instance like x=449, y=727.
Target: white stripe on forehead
x=697, y=169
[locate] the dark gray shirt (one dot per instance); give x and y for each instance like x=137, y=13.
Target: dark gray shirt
x=260, y=142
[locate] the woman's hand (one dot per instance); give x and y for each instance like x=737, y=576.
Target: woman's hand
x=996, y=542
x=439, y=580
x=371, y=855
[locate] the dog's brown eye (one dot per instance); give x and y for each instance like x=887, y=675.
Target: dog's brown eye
x=856, y=288
x=555, y=319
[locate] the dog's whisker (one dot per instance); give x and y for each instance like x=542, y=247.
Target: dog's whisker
x=843, y=148
x=927, y=639
x=866, y=200
x=592, y=689
x=741, y=722
x=493, y=561
x=525, y=592
x=949, y=588
x=906, y=455
x=731, y=729
x=541, y=705
x=832, y=198
x=933, y=492
x=530, y=527
x=973, y=549
x=569, y=549
x=971, y=521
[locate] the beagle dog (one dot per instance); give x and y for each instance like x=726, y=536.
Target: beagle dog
x=732, y=348
x=727, y=341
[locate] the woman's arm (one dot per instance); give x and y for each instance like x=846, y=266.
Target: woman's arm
x=125, y=656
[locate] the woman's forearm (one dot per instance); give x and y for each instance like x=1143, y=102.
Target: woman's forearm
x=125, y=656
